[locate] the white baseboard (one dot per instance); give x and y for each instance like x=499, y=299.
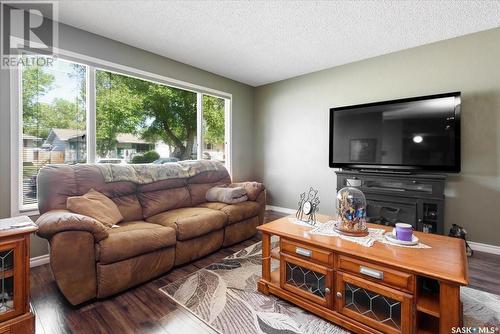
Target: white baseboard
x=280, y=209
x=476, y=246
x=485, y=248
x=39, y=260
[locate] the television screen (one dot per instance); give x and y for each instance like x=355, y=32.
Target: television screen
x=421, y=133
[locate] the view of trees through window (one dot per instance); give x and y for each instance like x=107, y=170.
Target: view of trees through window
x=135, y=116
x=54, y=120
x=137, y=121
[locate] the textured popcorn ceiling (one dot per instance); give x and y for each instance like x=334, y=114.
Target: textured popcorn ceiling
x=258, y=42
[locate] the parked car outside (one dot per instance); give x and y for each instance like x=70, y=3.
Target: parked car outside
x=32, y=184
x=112, y=161
x=162, y=161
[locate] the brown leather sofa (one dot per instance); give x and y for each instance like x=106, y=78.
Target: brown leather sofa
x=166, y=223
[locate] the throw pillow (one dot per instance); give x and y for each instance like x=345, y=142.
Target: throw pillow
x=95, y=205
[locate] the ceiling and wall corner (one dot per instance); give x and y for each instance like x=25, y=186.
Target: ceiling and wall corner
x=259, y=42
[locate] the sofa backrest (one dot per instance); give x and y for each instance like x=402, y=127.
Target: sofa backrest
x=136, y=201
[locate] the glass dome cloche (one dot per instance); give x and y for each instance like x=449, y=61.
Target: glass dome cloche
x=351, y=212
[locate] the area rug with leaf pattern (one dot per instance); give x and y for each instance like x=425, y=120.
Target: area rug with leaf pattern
x=224, y=295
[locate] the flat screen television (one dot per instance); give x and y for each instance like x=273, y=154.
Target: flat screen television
x=412, y=134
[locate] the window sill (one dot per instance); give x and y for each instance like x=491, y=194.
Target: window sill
x=26, y=212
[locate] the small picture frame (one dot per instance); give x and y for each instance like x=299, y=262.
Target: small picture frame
x=308, y=206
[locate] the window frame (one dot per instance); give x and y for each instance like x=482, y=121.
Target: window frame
x=227, y=129
x=92, y=64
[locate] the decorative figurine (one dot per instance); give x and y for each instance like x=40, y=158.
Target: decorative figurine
x=351, y=212
x=308, y=206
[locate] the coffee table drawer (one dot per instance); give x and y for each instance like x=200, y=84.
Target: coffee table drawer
x=307, y=252
x=388, y=276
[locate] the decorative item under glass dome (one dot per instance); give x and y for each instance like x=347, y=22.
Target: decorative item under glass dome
x=351, y=212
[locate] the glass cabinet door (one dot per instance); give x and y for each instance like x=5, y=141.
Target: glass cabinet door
x=306, y=279
x=11, y=280
x=383, y=308
x=6, y=280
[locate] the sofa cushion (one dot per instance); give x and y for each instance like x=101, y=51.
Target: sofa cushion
x=241, y=211
x=132, y=239
x=129, y=207
x=95, y=205
x=191, y=222
x=213, y=205
x=154, y=202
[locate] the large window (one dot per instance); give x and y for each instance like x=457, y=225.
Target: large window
x=135, y=116
x=73, y=113
x=53, y=120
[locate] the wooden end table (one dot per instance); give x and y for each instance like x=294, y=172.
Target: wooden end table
x=16, y=315
x=378, y=289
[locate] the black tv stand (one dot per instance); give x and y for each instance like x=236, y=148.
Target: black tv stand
x=378, y=171
x=397, y=196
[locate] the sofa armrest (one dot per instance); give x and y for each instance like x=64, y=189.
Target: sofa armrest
x=56, y=221
x=253, y=189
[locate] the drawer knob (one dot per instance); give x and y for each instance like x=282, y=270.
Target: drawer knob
x=327, y=290
x=339, y=295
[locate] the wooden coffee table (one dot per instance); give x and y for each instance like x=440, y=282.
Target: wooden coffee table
x=378, y=289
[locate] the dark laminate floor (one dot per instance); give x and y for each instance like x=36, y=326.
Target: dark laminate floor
x=484, y=272
x=145, y=309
